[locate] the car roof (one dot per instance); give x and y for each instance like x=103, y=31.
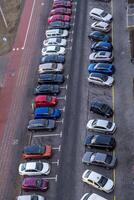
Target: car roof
x=100, y=157
x=99, y=75
x=32, y=149
x=94, y=176
x=97, y=10
x=100, y=139
x=30, y=165
x=101, y=122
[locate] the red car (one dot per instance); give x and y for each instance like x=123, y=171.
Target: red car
x=62, y=18
x=37, y=151
x=62, y=4
x=45, y=100
x=64, y=11
x=33, y=183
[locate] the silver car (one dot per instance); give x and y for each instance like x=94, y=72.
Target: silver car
x=101, y=26
x=100, y=159
x=100, y=79
x=101, y=15
x=51, y=68
x=55, y=41
x=101, y=56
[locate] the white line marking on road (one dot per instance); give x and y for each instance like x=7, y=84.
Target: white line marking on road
x=42, y=4
x=52, y=178
x=56, y=162
x=62, y=98
x=17, y=49
x=57, y=148
x=60, y=121
x=64, y=87
x=29, y=24
x=47, y=135
x=62, y=109
x=61, y=134
x=13, y=49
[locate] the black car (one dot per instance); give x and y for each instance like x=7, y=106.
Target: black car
x=100, y=141
x=52, y=59
x=41, y=124
x=51, y=78
x=47, y=89
x=59, y=24
x=101, y=108
x=99, y=36
x=99, y=159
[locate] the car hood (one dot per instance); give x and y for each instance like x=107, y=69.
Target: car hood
x=89, y=124
x=108, y=187
x=108, y=17
x=109, y=81
x=46, y=168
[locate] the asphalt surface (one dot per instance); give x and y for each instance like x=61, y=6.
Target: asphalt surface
x=74, y=101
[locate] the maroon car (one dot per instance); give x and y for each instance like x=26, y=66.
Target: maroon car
x=32, y=183
x=62, y=18
x=62, y=4
x=63, y=11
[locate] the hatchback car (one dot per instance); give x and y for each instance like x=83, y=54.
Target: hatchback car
x=51, y=78
x=51, y=68
x=100, y=159
x=101, y=56
x=62, y=4
x=101, y=26
x=102, y=46
x=62, y=18
x=30, y=197
x=106, y=142
x=47, y=89
x=92, y=196
x=101, y=125
x=41, y=124
x=59, y=24
x=62, y=11
x=53, y=50
x=44, y=100
x=47, y=113
x=36, y=151
x=98, y=181
x=101, y=15
x=104, y=68
x=100, y=79
x=35, y=184
x=99, y=36
x=34, y=168
x=55, y=42
x=101, y=108
x=53, y=59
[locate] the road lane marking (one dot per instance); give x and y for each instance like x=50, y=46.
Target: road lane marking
x=29, y=24
x=62, y=98
x=52, y=178
x=55, y=162
x=47, y=135
x=57, y=148
x=64, y=87
x=60, y=121
x=62, y=109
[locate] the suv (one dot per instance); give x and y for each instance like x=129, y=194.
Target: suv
x=101, y=108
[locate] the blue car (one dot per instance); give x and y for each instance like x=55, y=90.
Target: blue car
x=102, y=46
x=101, y=68
x=52, y=59
x=47, y=113
x=99, y=36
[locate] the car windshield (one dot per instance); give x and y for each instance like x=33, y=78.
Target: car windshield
x=34, y=198
x=59, y=40
x=104, y=77
x=57, y=48
x=39, y=166
x=94, y=122
x=108, y=159
x=92, y=157
x=109, y=125
x=60, y=31
x=103, y=14
x=87, y=174
x=94, y=139
x=48, y=99
x=39, y=183
x=102, y=181
x=23, y=166
x=103, y=107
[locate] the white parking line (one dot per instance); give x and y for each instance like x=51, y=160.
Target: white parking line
x=60, y=121
x=62, y=109
x=52, y=178
x=62, y=98
x=67, y=76
x=57, y=148
x=56, y=162
x=64, y=87
x=47, y=135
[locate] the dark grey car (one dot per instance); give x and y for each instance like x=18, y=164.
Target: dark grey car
x=41, y=124
x=101, y=159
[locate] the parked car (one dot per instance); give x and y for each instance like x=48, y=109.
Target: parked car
x=36, y=151
x=41, y=124
x=34, y=168
x=101, y=56
x=62, y=11
x=53, y=59
x=101, y=108
x=51, y=68
x=51, y=78
x=55, y=42
x=62, y=18
x=47, y=113
x=100, y=159
x=62, y=4
x=104, y=68
x=47, y=89
x=33, y=183
x=102, y=46
x=101, y=15
x=53, y=50
x=101, y=125
x=98, y=181
x=106, y=142
x=44, y=100
x=30, y=197
x=59, y=24
x=100, y=79
x=101, y=26
x=92, y=196
x=59, y=33
x=99, y=36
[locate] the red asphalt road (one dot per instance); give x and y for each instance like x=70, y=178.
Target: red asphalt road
x=15, y=85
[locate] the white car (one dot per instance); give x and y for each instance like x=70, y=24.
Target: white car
x=101, y=15
x=53, y=50
x=98, y=181
x=34, y=168
x=101, y=26
x=101, y=125
x=101, y=56
x=51, y=68
x=30, y=197
x=55, y=41
x=100, y=79
x=92, y=196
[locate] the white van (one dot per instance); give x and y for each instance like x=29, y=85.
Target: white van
x=93, y=196
x=56, y=33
